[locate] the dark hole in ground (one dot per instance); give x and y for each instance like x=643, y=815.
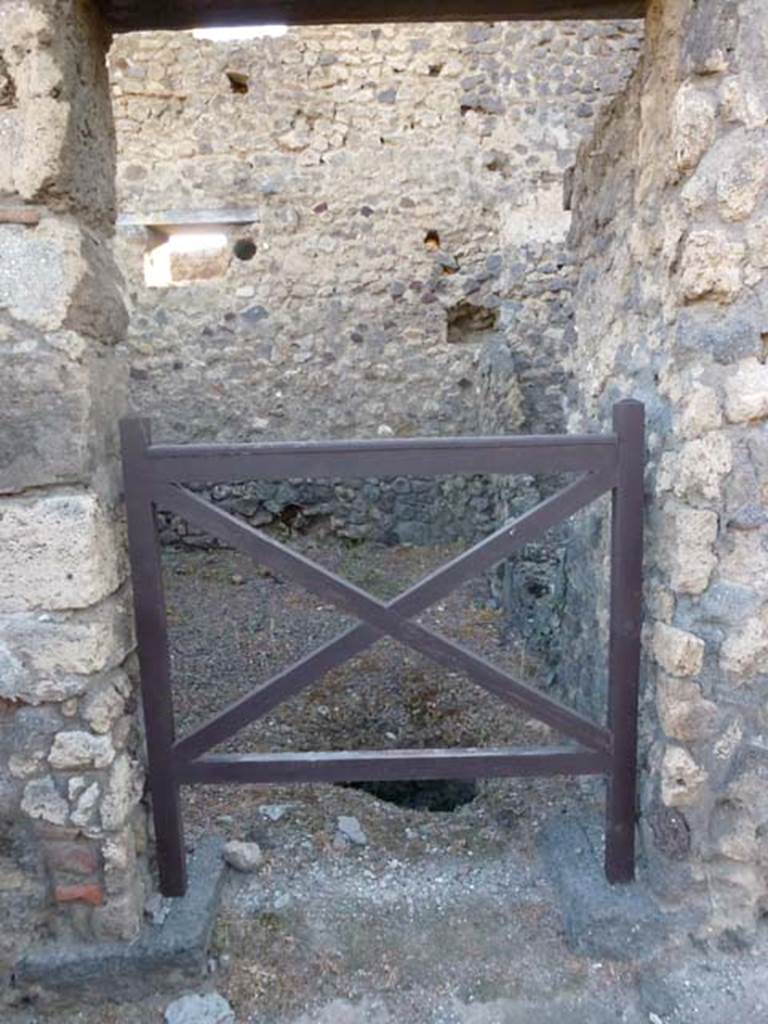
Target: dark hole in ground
x=438, y=795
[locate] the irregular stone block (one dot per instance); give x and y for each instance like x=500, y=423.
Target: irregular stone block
x=680, y=653
x=733, y=831
x=726, y=332
x=84, y=809
x=60, y=398
x=78, y=749
x=40, y=271
x=699, y=412
x=745, y=649
x=694, y=125
x=757, y=240
x=119, y=852
x=57, y=551
x=63, y=139
x=669, y=830
x=736, y=890
x=743, y=170
x=681, y=778
x=19, y=682
x=688, y=535
x=710, y=40
x=105, y=702
x=42, y=800
x=41, y=117
x=44, y=661
x=746, y=392
x=123, y=791
x=745, y=563
x=79, y=642
x=27, y=743
x=696, y=471
x=711, y=267
x=684, y=713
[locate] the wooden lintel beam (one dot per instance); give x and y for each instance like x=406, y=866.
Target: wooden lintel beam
x=140, y=15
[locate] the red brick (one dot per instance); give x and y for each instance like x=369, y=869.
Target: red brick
x=88, y=892
x=73, y=858
x=20, y=215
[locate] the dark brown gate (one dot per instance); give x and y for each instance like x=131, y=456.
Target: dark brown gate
x=155, y=475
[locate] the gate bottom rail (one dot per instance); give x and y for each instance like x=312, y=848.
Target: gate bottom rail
x=388, y=765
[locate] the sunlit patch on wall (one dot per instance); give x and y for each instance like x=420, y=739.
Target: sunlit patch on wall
x=183, y=256
x=239, y=33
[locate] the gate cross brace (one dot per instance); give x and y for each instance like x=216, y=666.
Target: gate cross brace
x=391, y=618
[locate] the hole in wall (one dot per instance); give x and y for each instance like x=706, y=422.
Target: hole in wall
x=238, y=82
x=435, y=70
x=466, y=320
x=7, y=87
x=498, y=163
x=764, y=347
x=671, y=832
x=245, y=249
x=435, y=795
x=432, y=240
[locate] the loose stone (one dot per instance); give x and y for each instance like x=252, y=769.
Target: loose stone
x=351, y=829
x=243, y=856
x=194, y=1009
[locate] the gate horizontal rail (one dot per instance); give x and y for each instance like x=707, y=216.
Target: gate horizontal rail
x=221, y=463
x=155, y=476
x=380, y=765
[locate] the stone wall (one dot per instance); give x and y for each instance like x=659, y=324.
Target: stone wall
x=402, y=187
x=69, y=779
x=671, y=202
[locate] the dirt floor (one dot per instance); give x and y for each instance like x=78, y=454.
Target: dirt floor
x=416, y=916
x=233, y=625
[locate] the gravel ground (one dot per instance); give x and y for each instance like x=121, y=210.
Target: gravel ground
x=428, y=918
x=232, y=625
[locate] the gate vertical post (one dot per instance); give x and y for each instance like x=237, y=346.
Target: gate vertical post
x=624, y=643
x=154, y=660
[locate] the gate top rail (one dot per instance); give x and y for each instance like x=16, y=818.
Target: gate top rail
x=431, y=456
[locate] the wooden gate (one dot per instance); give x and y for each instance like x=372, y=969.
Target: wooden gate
x=155, y=475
